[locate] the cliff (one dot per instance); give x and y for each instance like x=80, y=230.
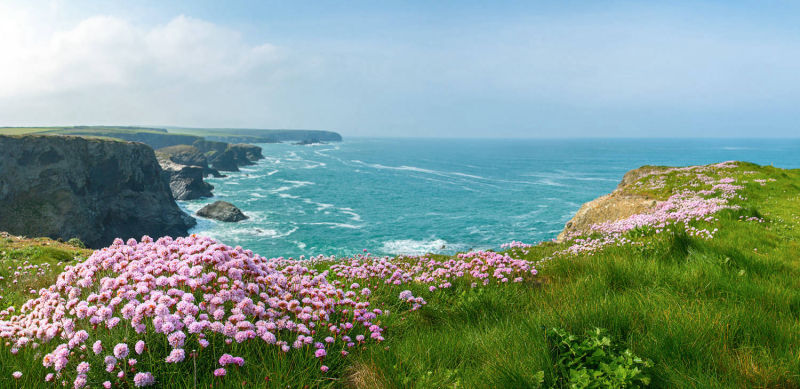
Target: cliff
x=185, y=181
x=619, y=204
x=228, y=157
x=92, y=189
x=187, y=155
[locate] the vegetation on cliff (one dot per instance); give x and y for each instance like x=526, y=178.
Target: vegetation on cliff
x=701, y=290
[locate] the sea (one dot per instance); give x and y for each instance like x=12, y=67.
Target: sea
x=414, y=196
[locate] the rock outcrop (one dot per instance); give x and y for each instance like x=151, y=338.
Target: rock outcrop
x=93, y=189
x=185, y=181
x=617, y=205
x=222, y=211
x=228, y=157
x=187, y=155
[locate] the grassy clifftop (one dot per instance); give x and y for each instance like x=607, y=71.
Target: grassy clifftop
x=705, y=286
x=162, y=137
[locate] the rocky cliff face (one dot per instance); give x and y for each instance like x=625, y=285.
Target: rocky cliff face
x=92, y=189
x=617, y=205
x=228, y=157
x=187, y=155
x=185, y=182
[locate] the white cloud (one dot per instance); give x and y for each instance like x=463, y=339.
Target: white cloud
x=110, y=51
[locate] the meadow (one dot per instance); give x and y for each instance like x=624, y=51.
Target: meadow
x=702, y=292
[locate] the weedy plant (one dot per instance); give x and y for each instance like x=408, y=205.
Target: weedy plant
x=596, y=361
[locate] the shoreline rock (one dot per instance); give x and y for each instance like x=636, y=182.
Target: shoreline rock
x=222, y=211
x=185, y=182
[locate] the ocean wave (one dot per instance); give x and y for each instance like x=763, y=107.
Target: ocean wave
x=353, y=215
x=549, y=182
x=335, y=225
x=245, y=234
x=417, y=247
x=297, y=184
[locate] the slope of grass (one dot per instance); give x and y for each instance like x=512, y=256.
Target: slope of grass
x=720, y=312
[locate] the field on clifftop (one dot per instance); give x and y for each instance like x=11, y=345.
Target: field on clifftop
x=701, y=290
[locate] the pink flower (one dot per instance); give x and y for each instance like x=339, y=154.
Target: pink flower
x=83, y=367
x=97, y=347
x=17, y=375
x=143, y=379
x=80, y=381
x=139, y=347
x=320, y=353
x=176, y=355
x=121, y=350
x=219, y=372
x=324, y=368
x=107, y=385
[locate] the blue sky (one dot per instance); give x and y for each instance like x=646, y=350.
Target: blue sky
x=443, y=69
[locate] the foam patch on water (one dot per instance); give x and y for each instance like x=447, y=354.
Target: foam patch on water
x=417, y=247
x=335, y=225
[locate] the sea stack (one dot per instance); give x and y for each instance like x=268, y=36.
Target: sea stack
x=222, y=211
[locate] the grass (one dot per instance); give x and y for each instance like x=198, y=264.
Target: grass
x=723, y=312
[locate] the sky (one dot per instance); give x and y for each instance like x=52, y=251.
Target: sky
x=407, y=69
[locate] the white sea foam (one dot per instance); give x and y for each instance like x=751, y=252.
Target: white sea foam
x=417, y=247
x=353, y=216
x=335, y=225
x=550, y=182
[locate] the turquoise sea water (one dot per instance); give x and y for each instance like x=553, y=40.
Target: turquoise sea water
x=411, y=196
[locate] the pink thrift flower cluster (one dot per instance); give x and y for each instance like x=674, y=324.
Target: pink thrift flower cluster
x=482, y=266
x=183, y=290
x=187, y=290
x=682, y=208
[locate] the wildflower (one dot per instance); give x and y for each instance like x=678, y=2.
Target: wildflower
x=143, y=379
x=219, y=372
x=121, y=350
x=175, y=356
x=139, y=347
x=80, y=381
x=83, y=367
x=324, y=368
x=17, y=375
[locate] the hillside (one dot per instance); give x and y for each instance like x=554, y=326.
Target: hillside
x=700, y=288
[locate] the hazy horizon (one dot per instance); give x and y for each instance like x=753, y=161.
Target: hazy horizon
x=609, y=69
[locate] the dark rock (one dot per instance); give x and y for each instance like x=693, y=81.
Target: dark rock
x=228, y=157
x=251, y=153
x=185, y=182
x=222, y=211
x=187, y=155
x=313, y=141
x=93, y=189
